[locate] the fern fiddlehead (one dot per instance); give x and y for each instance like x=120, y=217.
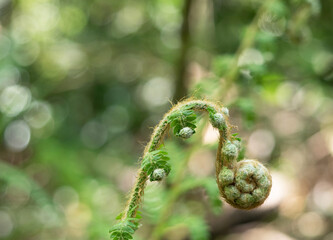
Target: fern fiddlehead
x=244, y=184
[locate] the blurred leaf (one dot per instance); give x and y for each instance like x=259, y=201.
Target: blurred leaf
x=19, y=179
x=198, y=229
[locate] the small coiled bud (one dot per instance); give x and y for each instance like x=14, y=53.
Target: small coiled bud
x=186, y=132
x=238, y=144
x=226, y=176
x=225, y=111
x=158, y=174
x=250, y=186
x=217, y=120
x=230, y=151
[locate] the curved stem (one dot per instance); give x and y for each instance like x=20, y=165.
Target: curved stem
x=174, y=194
x=247, y=190
x=223, y=136
x=219, y=157
x=155, y=142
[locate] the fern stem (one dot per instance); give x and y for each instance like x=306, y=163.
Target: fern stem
x=245, y=184
x=175, y=191
x=154, y=144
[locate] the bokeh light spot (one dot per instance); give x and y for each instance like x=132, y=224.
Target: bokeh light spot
x=156, y=92
x=44, y=17
x=65, y=196
x=311, y=224
x=116, y=118
x=78, y=217
x=251, y=56
x=166, y=17
x=261, y=143
x=94, y=134
x=17, y=135
x=38, y=114
x=14, y=99
x=323, y=195
x=287, y=123
x=72, y=20
x=129, y=19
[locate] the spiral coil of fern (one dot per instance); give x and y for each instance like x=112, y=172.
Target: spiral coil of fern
x=245, y=184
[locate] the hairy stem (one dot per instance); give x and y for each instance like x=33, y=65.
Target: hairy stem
x=174, y=192
x=154, y=144
x=245, y=184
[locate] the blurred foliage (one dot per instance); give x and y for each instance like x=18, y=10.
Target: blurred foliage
x=82, y=83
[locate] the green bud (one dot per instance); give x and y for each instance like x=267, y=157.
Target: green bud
x=230, y=150
x=158, y=174
x=225, y=111
x=246, y=200
x=186, y=132
x=231, y=193
x=237, y=144
x=226, y=176
x=217, y=120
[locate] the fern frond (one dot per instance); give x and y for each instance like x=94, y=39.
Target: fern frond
x=185, y=117
x=124, y=229
x=157, y=159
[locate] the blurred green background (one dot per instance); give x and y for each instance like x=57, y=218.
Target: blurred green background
x=82, y=83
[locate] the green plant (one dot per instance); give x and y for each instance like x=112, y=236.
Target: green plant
x=243, y=184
